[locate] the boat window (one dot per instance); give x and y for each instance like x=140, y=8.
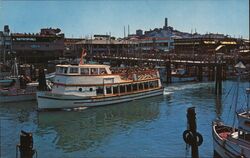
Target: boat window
x=103, y=71
x=85, y=71
x=115, y=89
x=122, y=89
x=134, y=87
x=108, y=90
x=156, y=84
x=99, y=91
x=140, y=86
x=60, y=69
x=90, y=89
x=151, y=85
x=73, y=70
x=94, y=71
x=145, y=85
x=80, y=89
x=129, y=89
x=65, y=70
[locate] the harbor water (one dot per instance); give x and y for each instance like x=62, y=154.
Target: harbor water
x=149, y=127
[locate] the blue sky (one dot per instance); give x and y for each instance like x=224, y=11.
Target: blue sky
x=85, y=18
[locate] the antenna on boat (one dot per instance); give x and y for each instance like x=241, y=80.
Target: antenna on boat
x=84, y=53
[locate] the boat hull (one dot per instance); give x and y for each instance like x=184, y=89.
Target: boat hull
x=226, y=146
x=46, y=101
x=5, y=83
x=17, y=98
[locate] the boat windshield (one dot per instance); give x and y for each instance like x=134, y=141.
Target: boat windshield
x=73, y=70
x=62, y=70
x=103, y=71
x=94, y=71
x=84, y=71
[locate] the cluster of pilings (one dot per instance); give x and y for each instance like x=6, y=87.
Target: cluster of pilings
x=202, y=69
x=212, y=71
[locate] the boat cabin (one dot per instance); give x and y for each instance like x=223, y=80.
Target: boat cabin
x=98, y=80
x=82, y=70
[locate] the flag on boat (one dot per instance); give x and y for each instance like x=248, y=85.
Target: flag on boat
x=84, y=53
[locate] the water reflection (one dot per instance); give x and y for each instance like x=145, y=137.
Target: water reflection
x=80, y=130
x=19, y=111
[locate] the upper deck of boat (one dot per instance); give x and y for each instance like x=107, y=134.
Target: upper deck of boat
x=85, y=66
x=83, y=69
x=102, y=71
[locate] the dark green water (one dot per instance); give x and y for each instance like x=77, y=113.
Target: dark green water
x=150, y=127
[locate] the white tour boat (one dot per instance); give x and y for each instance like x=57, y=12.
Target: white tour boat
x=89, y=85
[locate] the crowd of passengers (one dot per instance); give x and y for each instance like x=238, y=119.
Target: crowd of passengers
x=127, y=73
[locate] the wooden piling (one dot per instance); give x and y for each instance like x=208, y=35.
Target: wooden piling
x=191, y=116
x=26, y=145
x=210, y=73
x=213, y=73
x=168, y=69
x=200, y=73
x=218, y=81
x=191, y=136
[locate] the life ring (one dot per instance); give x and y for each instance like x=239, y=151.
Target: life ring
x=199, y=139
x=191, y=138
x=187, y=136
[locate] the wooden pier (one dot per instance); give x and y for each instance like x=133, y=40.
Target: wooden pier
x=201, y=67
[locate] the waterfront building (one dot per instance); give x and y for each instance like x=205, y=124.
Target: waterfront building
x=104, y=44
x=205, y=46
x=70, y=47
x=148, y=45
x=38, y=47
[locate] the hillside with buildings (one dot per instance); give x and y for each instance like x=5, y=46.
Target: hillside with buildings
x=169, y=32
